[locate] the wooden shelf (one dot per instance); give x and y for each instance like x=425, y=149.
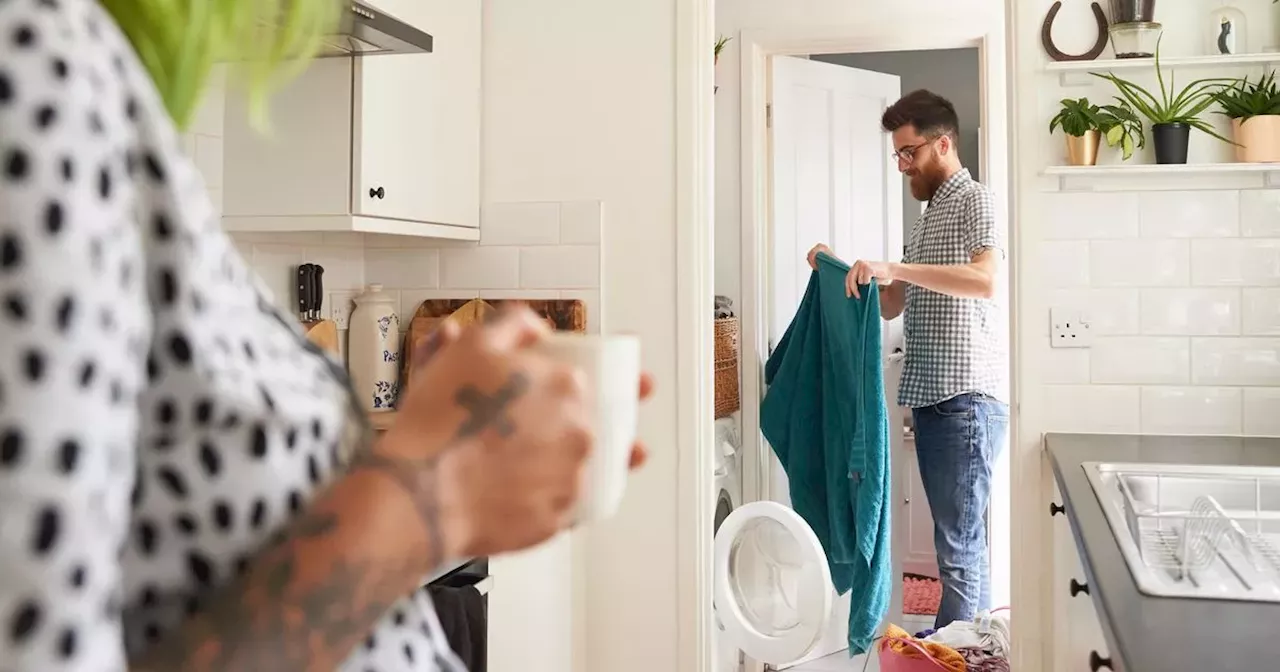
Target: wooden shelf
x=1077, y=72
x=1164, y=169
x=1150, y=176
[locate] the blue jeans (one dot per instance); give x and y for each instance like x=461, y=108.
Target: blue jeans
x=957, y=442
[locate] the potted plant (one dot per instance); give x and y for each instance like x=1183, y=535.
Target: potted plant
x=1254, y=110
x=1173, y=113
x=719, y=48
x=1085, y=124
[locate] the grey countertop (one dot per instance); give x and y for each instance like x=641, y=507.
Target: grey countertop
x=1160, y=634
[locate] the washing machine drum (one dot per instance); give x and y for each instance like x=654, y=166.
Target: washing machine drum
x=724, y=507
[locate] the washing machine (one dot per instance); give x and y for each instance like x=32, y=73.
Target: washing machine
x=726, y=497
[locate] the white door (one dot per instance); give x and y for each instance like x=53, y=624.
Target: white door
x=834, y=182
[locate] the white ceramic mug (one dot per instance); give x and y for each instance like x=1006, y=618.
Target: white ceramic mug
x=611, y=365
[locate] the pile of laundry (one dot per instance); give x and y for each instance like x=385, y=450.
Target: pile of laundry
x=980, y=645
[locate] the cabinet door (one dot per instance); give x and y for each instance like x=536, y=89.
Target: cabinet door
x=1077, y=630
x=921, y=556
x=417, y=121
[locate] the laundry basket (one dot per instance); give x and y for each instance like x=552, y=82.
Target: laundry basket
x=726, y=367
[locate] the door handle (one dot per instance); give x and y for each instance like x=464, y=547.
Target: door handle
x=1076, y=588
x=1097, y=662
x=1055, y=509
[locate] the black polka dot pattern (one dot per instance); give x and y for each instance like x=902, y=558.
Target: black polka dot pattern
x=159, y=422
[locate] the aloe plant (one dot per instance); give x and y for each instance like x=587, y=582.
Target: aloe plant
x=1118, y=123
x=1245, y=99
x=1173, y=105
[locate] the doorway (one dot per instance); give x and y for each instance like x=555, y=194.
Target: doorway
x=783, y=213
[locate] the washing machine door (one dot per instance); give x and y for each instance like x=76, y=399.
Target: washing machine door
x=772, y=588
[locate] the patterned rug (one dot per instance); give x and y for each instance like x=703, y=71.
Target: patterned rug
x=920, y=595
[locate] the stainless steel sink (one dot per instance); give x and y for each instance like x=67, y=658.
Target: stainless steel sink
x=1195, y=531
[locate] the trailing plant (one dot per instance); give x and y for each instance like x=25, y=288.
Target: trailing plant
x=1244, y=99
x=1118, y=123
x=1173, y=105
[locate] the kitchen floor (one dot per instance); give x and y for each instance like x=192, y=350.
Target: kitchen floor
x=841, y=662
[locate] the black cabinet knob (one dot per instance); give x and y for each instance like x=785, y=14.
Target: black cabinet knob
x=1097, y=662
x=1055, y=509
x=378, y=193
x=1077, y=588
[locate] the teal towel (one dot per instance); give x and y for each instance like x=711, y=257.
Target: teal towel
x=826, y=418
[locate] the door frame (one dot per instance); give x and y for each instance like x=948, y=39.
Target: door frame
x=757, y=47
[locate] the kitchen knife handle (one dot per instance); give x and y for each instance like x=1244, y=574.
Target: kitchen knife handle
x=1077, y=588
x=304, y=291
x=317, y=289
x=1097, y=662
x=1055, y=509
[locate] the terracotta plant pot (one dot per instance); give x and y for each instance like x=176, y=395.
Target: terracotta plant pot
x=1082, y=150
x=1257, y=139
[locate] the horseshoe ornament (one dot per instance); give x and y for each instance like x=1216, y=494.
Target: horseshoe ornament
x=1046, y=36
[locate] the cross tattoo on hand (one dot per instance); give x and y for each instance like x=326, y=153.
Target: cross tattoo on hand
x=490, y=410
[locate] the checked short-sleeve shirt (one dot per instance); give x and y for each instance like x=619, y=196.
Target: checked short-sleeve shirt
x=953, y=345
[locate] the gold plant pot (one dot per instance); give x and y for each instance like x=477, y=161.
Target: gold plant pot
x=1257, y=139
x=1083, y=150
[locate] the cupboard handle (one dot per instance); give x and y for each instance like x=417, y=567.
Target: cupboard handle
x=1077, y=588
x=1097, y=662
x=378, y=193
x=1055, y=509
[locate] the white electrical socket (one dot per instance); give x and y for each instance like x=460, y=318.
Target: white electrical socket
x=1070, y=329
x=340, y=306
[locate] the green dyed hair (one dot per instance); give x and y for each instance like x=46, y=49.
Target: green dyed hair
x=179, y=41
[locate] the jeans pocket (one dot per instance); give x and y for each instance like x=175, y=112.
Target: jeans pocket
x=955, y=407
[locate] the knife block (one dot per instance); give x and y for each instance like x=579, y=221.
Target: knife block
x=324, y=333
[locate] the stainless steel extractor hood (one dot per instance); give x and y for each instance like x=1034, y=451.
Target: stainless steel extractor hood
x=366, y=31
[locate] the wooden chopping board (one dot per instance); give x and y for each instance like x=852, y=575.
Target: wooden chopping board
x=561, y=315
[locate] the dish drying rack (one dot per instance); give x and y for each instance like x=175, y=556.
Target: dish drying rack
x=1187, y=542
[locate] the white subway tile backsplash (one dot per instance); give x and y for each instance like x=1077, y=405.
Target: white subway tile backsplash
x=1084, y=216
x=1140, y=360
x=1091, y=408
x=590, y=299
x=563, y=267
x=520, y=224
x=343, y=266
x=1191, y=410
x=277, y=266
x=1235, y=361
x=580, y=223
x=210, y=113
x=1260, y=213
x=1261, y=312
x=1235, y=261
x=1138, y=263
x=1065, y=263
x=1064, y=366
x=1262, y=411
x=1111, y=312
x=1190, y=214
x=410, y=299
x=527, y=294
x=402, y=268
x=1191, y=312
x=480, y=267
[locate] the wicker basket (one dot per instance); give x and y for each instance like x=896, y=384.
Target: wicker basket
x=726, y=367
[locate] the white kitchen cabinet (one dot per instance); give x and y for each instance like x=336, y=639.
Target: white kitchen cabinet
x=375, y=144
x=920, y=556
x=1077, y=632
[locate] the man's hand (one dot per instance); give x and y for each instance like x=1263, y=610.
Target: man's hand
x=863, y=271
x=813, y=254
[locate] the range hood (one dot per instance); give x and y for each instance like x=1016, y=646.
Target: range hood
x=367, y=31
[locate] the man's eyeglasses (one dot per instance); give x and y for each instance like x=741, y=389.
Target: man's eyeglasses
x=908, y=154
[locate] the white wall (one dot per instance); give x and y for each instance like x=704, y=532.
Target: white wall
x=1180, y=284
x=863, y=20
x=579, y=105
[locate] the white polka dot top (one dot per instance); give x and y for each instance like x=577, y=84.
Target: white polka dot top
x=159, y=421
